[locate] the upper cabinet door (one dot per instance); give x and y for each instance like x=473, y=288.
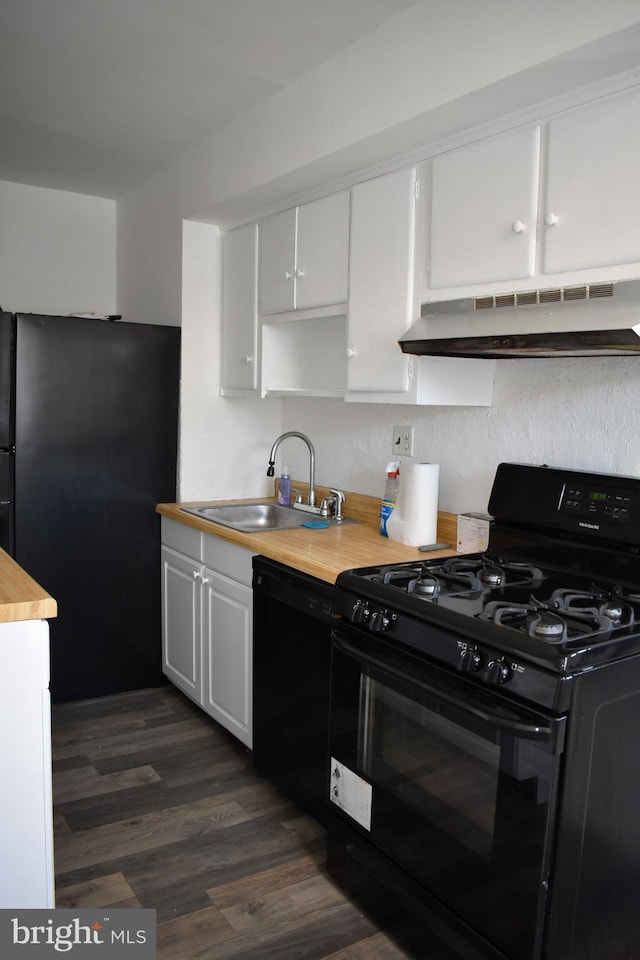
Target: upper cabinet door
x=322, y=259
x=304, y=256
x=239, y=360
x=483, y=211
x=381, y=285
x=278, y=262
x=592, y=205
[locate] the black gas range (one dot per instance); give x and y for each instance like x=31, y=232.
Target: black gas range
x=492, y=702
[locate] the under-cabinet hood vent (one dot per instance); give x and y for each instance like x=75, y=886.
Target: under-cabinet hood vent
x=551, y=295
x=600, y=319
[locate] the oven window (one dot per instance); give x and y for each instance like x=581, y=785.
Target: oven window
x=432, y=763
x=436, y=764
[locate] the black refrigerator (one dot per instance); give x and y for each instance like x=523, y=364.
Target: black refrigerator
x=88, y=446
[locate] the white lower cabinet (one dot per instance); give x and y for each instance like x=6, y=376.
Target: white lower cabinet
x=181, y=622
x=227, y=653
x=207, y=625
x=26, y=805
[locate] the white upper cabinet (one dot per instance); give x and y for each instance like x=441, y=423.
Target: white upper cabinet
x=592, y=206
x=239, y=335
x=483, y=211
x=381, y=289
x=503, y=220
x=322, y=256
x=278, y=262
x=304, y=256
x=383, y=301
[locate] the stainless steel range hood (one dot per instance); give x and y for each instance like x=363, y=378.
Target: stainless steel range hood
x=592, y=320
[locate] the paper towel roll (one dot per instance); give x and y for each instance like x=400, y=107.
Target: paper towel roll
x=414, y=519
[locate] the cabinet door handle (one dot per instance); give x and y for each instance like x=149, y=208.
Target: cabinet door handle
x=299, y=273
x=518, y=226
x=204, y=580
x=288, y=275
x=551, y=219
x=196, y=574
x=351, y=352
x=248, y=358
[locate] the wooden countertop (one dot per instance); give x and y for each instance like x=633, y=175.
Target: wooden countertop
x=321, y=553
x=21, y=598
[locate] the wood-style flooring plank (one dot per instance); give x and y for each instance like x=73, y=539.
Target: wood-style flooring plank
x=88, y=782
x=283, y=874
x=111, y=890
x=114, y=840
x=155, y=796
x=377, y=947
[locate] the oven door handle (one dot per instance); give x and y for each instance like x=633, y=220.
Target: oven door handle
x=496, y=719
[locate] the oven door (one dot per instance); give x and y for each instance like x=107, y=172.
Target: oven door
x=453, y=784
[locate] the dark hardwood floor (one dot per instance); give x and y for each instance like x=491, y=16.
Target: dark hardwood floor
x=157, y=806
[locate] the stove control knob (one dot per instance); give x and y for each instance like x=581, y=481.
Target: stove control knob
x=379, y=621
x=497, y=671
x=360, y=613
x=470, y=661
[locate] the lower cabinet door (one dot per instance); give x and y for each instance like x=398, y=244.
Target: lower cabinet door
x=227, y=653
x=181, y=620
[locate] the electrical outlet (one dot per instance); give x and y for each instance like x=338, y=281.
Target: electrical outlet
x=403, y=441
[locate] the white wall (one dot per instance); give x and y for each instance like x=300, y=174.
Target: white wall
x=580, y=413
x=441, y=68
x=57, y=251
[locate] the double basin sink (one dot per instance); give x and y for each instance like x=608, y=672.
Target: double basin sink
x=256, y=517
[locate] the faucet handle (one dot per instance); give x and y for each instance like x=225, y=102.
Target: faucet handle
x=297, y=495
x=339, y=500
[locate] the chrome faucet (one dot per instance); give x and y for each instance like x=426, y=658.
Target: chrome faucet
x=311, y=499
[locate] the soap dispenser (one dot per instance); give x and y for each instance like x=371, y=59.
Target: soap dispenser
x=284, y=487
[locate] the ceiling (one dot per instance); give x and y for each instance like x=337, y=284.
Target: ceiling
x=97, y=96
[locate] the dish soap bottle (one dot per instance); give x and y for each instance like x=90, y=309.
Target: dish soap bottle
x=390, y=493
x=284, y=487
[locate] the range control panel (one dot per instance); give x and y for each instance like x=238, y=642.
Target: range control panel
x=481, y=663
x=599, y=503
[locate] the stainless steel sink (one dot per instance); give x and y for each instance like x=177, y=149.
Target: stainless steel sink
x=255, y=517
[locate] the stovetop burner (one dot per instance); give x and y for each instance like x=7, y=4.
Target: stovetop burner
x=568, y=615
x=455, y=576
x=431, y=582
x=547, y=622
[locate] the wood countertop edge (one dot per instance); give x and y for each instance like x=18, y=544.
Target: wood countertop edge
x=320, y=553
x=21, y=598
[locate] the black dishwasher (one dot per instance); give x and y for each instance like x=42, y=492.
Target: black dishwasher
x=292, y=619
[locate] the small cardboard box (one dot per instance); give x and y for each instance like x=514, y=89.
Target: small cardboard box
x=473, y=532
